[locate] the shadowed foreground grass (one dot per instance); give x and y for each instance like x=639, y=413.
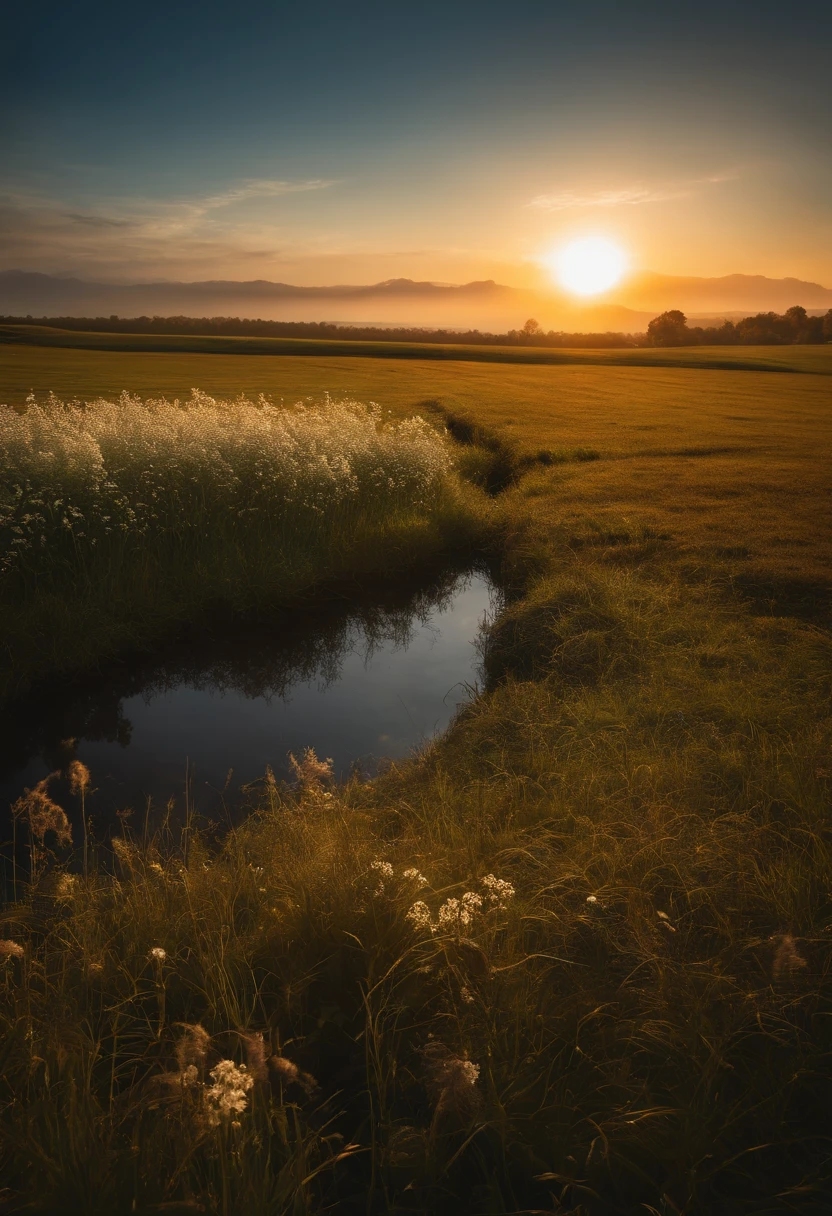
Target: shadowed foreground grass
x=573, y=958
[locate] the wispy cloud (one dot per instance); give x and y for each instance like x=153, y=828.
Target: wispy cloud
x=628, y=196
x=259, y=187
x=96, y=221
x=161, y=235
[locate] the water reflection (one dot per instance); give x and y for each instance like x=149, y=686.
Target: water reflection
x=360, y=682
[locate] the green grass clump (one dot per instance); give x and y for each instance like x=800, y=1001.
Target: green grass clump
x=120, y=519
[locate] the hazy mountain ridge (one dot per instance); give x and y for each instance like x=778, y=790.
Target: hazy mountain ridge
x=483, y=304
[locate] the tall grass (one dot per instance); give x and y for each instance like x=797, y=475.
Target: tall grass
x=121, y=518
x=573, y=958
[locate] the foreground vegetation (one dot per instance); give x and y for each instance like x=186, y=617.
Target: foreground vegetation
x=575, y=957
x=121, y=520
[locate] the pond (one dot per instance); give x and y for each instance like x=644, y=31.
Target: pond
x=363, y=681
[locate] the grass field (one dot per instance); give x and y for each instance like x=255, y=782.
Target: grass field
x=728, y=464
x=575, y=957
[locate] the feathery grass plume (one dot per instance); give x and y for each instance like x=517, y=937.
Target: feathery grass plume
x=42, y=813
x=228, y=1095
x=124, y=851
x=256, y=1055
x=10, y=950
x=788, y=960
x=79, y=780
x=192, y=1047
x=451, y=1080
x=284, y=1073
x=79, y=777
x=311, y=774
x=66, y=887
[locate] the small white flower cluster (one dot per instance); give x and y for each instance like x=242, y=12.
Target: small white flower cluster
x=10, y=949
x=419, y=916
x=385, y=872
x=157, y=954
x=498, y=891
x=457, y=915
x=228, y=1095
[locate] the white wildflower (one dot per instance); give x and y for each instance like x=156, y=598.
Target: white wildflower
x=413, y=875
x=449, y=914
x=592, y=899
x=419, y=915
x=157, y=954
x=383, y=868
x=466, y=995
x=457, y=914
x=10, y=949
x=229, y=1093
x=470, y=905
x=497, y=890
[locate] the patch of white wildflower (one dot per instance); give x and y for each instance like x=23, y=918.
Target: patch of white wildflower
x=80, y=474
x=458, y=915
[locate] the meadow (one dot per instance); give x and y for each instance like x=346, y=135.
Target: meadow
x=574, y=957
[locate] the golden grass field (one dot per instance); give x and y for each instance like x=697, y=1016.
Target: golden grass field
x=645, y=1023
x=726, y=464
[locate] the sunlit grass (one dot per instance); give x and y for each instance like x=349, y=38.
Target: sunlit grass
x=575, y=957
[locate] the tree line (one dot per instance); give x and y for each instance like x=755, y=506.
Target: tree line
x=765, y=329
x=669, y=329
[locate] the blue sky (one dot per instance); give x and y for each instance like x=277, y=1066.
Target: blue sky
x=349, y=143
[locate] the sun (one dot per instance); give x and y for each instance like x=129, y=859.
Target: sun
x=589, y=265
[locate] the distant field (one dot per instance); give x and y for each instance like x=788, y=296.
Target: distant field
x=726, y=464
x=763, y=358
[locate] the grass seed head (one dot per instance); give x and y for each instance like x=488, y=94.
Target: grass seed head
x=192, y=1048
x=788, y=961
x=43, y=814
x=79, y=777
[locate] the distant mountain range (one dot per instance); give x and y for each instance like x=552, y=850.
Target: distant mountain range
x=484, y=305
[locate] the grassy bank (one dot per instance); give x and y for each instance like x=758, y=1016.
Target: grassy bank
x=575, y=957
x=120, y=521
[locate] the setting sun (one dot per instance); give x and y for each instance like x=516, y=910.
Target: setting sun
x=589, y=266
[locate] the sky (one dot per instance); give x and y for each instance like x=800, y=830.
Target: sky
x=331, y=143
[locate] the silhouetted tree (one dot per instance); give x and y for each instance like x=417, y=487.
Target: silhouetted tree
x=531, y=328
x=669, y=329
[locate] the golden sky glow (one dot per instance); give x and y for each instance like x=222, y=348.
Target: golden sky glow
x=352, y=144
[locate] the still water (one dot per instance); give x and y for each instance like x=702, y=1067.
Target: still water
x=360, y=683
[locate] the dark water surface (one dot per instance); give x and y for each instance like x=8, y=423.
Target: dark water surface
x=359, y=682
